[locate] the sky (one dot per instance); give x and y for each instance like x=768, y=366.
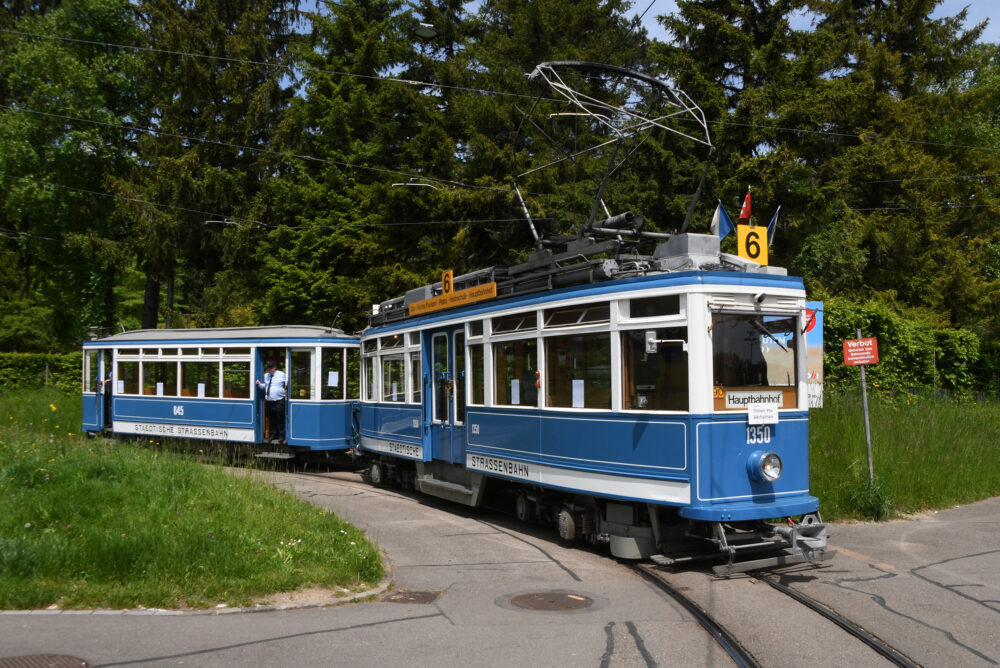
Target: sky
x=979, y=10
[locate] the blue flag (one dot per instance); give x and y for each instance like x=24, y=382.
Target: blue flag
x=722, y=224
x=772, y=226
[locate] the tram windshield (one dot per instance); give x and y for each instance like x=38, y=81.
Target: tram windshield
x=754, y=360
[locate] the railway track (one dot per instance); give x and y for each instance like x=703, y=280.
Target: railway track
x=722, y=630
x=890, y=653
x=687, y=588
x=737, y=652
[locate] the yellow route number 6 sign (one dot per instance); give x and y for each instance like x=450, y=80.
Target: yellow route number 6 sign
x=752, y=240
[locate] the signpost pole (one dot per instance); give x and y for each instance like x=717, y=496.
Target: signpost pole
x=868, y=431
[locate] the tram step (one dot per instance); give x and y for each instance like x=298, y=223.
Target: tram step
x=275, y=455
x=680, y=558
x=431, y=485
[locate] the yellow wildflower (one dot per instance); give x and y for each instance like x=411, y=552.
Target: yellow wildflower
x=52, y=406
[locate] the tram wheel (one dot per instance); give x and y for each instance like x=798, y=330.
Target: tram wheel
x=524, y=508
x=377, y=473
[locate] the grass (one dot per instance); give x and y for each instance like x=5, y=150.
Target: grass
x=99, y=523
x=927, y=454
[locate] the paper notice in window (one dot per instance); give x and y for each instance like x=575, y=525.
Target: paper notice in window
x=333, y=379
x=577, y=394
x=762, y=414
x=515, y=392
x=121, y=387
x=201, y=389
x=159, y=389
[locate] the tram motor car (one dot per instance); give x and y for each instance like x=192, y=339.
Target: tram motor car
x=656, y=402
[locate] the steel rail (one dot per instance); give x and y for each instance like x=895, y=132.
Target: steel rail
x=739, y=654
x=861, y=634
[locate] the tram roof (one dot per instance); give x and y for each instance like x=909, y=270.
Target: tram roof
x=218, y=334
x=585, y=264
x=597, y=290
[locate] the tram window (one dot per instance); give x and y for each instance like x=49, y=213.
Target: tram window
x=578, y=315
x=393, y=380
x=189, y=351
x=331, y=374
x=460, y=377
x=651, y=307
x=209, y=351
x=442, y=377
x=353, y=373
x=300, y=385
x=150, y=352
x=90, y=380
x=578, y=371
x=127, y=378
x=414, y=338
x=655, y=381
x=236, y=351
x=477, y=367
x=159, y=379
x=168, y=351
x=416, y=377
x=236, y=380
x=128, y=351
x=369, y=364
x=370, y=345
x=199, y=379
x=753, y=353
x=515, y=366
x=476, y=328
x=515, y=323
x=393, y=341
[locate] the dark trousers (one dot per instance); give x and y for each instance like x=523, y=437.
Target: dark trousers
x=276, y=419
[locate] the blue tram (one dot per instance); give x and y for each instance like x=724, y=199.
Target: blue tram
x=651, y=402
x=201, y=384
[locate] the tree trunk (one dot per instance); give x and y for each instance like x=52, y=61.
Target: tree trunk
x=151, y=301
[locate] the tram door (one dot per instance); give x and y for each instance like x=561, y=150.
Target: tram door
x=96, y=391
x=278, y=356
x=447, y=396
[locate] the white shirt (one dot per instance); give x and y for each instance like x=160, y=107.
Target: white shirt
x=274, y=385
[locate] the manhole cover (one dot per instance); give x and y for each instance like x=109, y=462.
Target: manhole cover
x=43, y=661
x=551, y=601
x=409, y=597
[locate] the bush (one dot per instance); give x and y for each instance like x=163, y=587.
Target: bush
x=20, y=371
x=912, y=354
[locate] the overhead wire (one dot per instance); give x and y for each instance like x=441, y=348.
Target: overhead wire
x=485, y=91
x=253, y=149
x=386, y=170
x=262, y=63
x=298, y=228
x=236, y=219
x=135, y=200
x=411, y=175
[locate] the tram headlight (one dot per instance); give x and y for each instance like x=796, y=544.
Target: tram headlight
x=764, y=466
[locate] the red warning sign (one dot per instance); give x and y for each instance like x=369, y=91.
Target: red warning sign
x=861, y=351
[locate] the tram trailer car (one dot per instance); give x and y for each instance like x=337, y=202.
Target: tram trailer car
x=649, y=403
x=202, y=384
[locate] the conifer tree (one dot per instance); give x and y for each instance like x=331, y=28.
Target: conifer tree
x=216, y=84
x=886, y=182
x=353, y=128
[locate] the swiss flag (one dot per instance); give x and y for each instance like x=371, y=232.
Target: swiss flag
x=745, y=211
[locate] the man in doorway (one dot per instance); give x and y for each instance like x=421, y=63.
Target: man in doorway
x=274, y=385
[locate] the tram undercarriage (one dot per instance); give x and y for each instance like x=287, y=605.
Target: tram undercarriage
x=632, y=531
